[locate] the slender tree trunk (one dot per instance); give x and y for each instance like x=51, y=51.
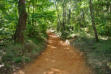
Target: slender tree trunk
x=28, y=18
x=33, y=20
x=83, y=17
x=110, y=8
x=64, y=15
x=93, y=20
x=69, y=16
x=58, y=16
x=19, y=33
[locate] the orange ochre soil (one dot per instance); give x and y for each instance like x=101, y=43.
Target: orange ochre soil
x=58, y=58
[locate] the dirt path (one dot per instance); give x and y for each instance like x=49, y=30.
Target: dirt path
x=58, y=58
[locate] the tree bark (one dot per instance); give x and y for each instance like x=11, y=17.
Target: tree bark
x=93, y=20
x=21, y=26
x=58, y=16
x=33, y=20
x=69, y=16
x=64, y=15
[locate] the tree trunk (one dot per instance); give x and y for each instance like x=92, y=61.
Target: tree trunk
x=64, y=15
x=33, y=20
x=19, y=33
x=110, y=8
x=69, y=17
x=93, y=20
x=58, y=16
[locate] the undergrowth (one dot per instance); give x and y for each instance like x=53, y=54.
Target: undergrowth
x=98, y=54
x=13, y=56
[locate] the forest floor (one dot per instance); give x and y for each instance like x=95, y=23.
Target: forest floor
x=58, y=58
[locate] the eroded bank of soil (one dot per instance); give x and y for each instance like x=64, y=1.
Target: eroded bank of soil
x=58, y=58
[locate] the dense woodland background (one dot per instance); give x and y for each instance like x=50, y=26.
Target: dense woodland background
x=24, y=23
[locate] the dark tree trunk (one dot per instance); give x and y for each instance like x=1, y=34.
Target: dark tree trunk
x=19, y=33
x=28, y=18
x=93, y=20
x=69, y=16
x=64, y=15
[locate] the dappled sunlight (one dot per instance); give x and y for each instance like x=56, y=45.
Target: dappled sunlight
x=67, y=42
x=54, y=71
x=59, y=58
x=63, y=43
x=50, y=46
x=53, y=36
x=67, y=48
x=50, y=60
x=50, y=41
x=19, y=72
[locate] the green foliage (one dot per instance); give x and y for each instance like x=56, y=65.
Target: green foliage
x=104, y=30
x=80, y=15
x=13, y=56
x=98, y=53
x=69, y=16
x=17, y=54
x=39, y=19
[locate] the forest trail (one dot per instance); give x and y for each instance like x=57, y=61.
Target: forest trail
x=58, y=58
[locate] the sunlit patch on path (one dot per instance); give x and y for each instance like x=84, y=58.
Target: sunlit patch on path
x=58, y=58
